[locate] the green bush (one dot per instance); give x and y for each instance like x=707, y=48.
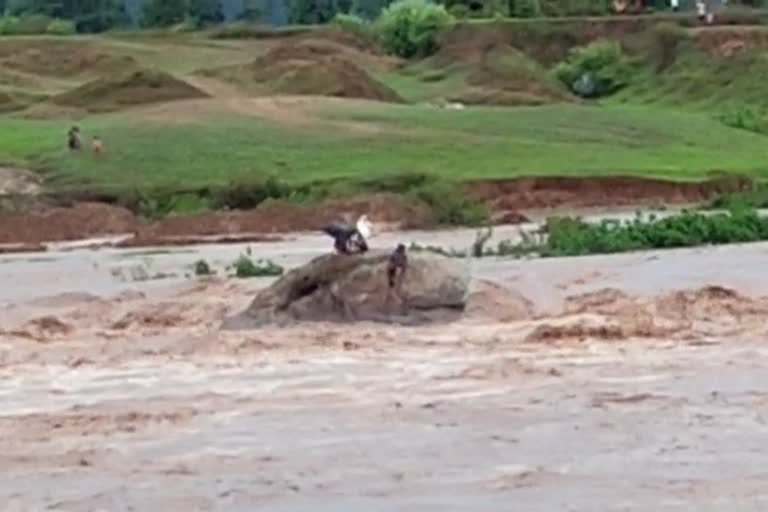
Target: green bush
x=351, y=23
x=202, y=268
x=248, y=30
x=245, y=267
x=666, y=38
x=9, y=25
x=449, y=206
x=750, y=118
x=33, y=24
x=597, y=69
x=243, y=196
x=526, y=8
x=567, y=236
x=460, y=11
x=410, y=28
x=61, y=28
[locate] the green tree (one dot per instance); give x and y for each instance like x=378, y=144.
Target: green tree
x=317, y=11
x=409, y=28
x=98, y=15
x=206, y=12
x=164, y=13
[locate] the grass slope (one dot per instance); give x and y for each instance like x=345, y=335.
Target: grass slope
x=378, y=140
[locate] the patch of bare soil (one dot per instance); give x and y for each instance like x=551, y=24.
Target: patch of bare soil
x=332, y=66
x=83, y=220
x=553, y=192
x=9, y=104
x=19, y=181
x=86, y=220
x=730, y=41
x=280, y=217
x=137, y=87
x=60, y=58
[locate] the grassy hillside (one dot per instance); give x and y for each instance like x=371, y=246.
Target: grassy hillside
x=210, y=111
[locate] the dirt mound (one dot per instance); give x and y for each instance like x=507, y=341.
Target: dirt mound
x=59, y=224
x=494, y=302
x=9, y=103
x=552, y=192
x=118, y=91
x=729, y=41
x=60, y=58
x=309, y=66
x=348, y=288
x=343, y=38
x=499, y=74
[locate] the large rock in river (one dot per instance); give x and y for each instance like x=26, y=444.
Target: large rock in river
x=347, y=288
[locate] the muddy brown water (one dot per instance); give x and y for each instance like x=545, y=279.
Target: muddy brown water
x=128, y=397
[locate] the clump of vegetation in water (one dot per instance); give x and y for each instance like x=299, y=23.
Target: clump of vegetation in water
x=202, y=268
x=245, y=267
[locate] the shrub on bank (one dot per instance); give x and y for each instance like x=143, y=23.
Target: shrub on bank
x=351, y=23
x=449, y=206
x=410, y=28
x=573, y=237
x=61, y=28
x=597, y=69
x=568, y=236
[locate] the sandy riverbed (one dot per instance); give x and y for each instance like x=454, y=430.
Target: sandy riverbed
x=630, y=382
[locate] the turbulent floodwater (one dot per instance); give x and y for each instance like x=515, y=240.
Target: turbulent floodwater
x=631, y=382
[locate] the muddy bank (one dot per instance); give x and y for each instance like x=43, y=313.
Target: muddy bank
x=507, y=200
x=565, y=192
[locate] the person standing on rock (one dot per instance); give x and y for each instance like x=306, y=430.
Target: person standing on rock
x=397, y=265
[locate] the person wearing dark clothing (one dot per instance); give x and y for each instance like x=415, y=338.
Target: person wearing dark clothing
x=349, y=239
x=397, y=266
x=73, y=139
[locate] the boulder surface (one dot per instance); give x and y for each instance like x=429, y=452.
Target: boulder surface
x=349, y=288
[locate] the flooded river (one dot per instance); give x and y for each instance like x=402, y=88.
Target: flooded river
x=615, y=383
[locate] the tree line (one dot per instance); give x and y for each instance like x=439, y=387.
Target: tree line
x=100, y=15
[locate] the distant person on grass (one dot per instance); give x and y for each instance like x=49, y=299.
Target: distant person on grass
x=97, y=146
x=74, y=141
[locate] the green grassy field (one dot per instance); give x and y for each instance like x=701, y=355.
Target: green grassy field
x=663, y=125
x=375, y=140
